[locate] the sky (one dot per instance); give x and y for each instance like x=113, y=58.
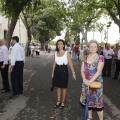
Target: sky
x=113, y=33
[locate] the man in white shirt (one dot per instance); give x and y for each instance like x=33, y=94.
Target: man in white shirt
x=117, y=64
x=108, y=54
x=4, y=66
x=17, y=64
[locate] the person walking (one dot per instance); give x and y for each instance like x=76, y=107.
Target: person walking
x=60, y=72
x=17, y=64
x=32, y=50
x=91, y=70
x=76, y=52
x=29, y=50
x=49, y=48
x=37, y=51
x=4, y=66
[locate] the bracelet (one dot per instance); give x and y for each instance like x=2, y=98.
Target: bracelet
x=73, y=72
x=84, y=79
x=90, y=81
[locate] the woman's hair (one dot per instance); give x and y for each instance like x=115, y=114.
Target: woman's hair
x=93, y=41
x=57, y=44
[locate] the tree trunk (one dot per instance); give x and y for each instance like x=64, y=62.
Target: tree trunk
x=42, y=41
x=42, y=45
x=114, y=17
x=11, y=30
x=84, y=36
x=28, y=41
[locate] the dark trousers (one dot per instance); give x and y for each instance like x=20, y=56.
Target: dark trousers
x=117, y=70
x=17, y=78
x=107, y=67
x=4, y=74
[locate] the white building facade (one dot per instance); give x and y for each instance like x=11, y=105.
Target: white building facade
x=20, y=29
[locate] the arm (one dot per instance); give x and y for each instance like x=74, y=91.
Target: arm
x=82, y=71
x=99, y=71
x=13, y=56
x=53, y=68
x=71, y=65
x=5, y=56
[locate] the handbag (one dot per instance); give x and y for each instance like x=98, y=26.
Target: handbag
x=96, y=84
x=52, y=85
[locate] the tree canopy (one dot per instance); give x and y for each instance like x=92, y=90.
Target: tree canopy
x=45, y=19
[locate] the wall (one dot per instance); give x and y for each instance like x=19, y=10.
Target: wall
x=19, y=30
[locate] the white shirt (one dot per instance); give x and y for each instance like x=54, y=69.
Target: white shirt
x=4, y=54
x=81, y=52
x=17, y=54
x=69, y=49
x=118, y=54
x=106, y=52
x=61, y=60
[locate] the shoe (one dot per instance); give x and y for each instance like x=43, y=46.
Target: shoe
x=57, y=104
x=2, y=89
x=90, y=119
x=114, y=78
x=21, y=93
x=5, y=91
x=13, y=96
x=62, y=105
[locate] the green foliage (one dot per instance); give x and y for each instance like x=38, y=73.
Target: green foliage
x=82, y=15
x=102, y=43
x=52, y=42
x=69, y=38
x=48, y=21
x=14, y=7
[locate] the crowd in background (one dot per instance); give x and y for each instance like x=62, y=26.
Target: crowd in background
x=33, y=49
x=111, y=56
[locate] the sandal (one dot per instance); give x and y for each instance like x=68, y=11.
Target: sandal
x=57, y=104
x=62, y=106
x=90, y=119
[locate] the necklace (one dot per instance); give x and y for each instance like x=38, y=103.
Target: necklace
x=90, y=60
x=92, y=57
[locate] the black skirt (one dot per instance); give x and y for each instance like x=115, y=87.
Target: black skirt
x=61, y=76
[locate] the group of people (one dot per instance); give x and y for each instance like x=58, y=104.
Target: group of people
x=110, y=53
x=16, y=66
x=77, y=51
x=95, y=63
x=33, y=49
x=91, y=70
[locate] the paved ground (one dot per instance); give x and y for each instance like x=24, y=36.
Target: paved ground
x=38, y=101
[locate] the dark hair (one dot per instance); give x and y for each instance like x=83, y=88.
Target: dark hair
x=57, y=44
x=16, y=38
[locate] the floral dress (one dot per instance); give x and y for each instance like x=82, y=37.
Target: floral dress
x=95, y=95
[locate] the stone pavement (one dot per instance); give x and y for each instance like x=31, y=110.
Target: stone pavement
x=38, y=101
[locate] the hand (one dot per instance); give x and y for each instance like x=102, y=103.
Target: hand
x=52, y=76
x=109, y=54
x=3, y=66
x=11, y=68
x=74, y=76
x=86, y=82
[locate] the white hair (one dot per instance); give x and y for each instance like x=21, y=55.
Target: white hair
x=3, y=41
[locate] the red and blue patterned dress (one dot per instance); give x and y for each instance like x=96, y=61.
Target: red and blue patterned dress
x=96, y=95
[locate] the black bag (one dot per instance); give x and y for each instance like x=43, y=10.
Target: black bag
x=52, y=85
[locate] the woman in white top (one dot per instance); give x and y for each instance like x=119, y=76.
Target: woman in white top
x=60, y=72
